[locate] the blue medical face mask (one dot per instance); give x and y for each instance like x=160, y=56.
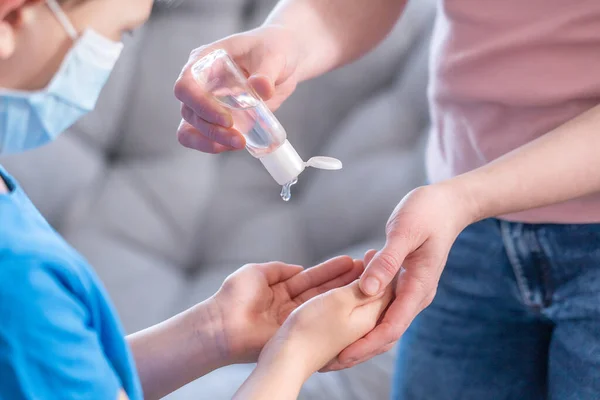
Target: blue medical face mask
x=32, y=119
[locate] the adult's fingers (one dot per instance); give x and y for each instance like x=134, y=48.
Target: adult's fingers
x=204, y=105
x=263, y=85
x=336, y=365
x=384, y=349
x=316, y=276
x=412, y=296
x=228, y=137
x=365, y=313
x=385, y=265
x=267, y=67
x=371, y=308
x=189, y=137
x=363, y=309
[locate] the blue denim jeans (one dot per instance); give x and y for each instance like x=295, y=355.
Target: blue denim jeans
x=516, y=316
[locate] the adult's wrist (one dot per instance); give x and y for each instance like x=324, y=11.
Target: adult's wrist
x=464, y=200
x=298, y=48
x=305, y=22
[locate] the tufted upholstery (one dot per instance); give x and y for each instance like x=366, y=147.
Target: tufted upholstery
x=164, y=225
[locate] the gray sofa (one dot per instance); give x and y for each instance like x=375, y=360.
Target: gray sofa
x=164, y=225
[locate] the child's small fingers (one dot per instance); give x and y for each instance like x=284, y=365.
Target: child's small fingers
x=359, y=265
x=369, y=256
x=276, y=272
x=318, y=275
x=340, y=281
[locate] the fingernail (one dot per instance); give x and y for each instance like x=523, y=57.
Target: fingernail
x=371, y=286
x=237, y=142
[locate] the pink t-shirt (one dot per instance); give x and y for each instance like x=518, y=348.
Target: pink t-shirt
x=504, y=72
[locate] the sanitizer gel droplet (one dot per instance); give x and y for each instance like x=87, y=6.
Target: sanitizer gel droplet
x=286, y=190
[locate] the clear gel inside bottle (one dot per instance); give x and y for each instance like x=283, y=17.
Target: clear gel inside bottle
x=220, y=76
x=266, y=138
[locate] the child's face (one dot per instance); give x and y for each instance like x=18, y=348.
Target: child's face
x=33, y=43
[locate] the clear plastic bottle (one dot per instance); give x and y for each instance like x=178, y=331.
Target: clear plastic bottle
x=266, y=139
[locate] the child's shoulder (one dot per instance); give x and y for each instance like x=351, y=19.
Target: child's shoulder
x=29, y=277
x=33, y=254
x=51, y=342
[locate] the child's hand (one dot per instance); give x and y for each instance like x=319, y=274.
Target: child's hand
x=320, y=329
x=254, y=301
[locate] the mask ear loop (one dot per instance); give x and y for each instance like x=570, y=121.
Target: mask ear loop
x=63, y=19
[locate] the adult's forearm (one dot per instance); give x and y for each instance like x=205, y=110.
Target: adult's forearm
x=178, y=351
x=563, y=164
x=332, y=33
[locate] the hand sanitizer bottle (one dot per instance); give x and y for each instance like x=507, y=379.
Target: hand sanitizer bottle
x=266, y=139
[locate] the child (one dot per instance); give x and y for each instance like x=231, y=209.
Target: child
x=514, y=162
x=60, y=337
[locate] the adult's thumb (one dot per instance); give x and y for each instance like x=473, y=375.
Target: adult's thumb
x=383, y=267
x=263, y=85
x=269, y=71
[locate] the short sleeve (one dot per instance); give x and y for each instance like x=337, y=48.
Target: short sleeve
x=48, y=348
